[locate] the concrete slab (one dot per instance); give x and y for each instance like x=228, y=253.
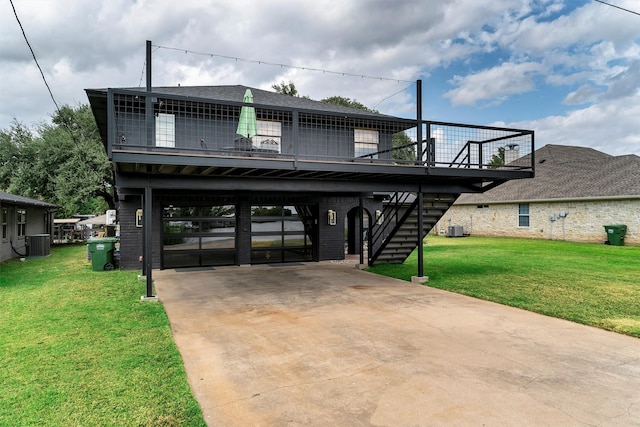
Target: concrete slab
x=327, y=344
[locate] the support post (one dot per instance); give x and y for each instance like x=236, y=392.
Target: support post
x=420, y=150
x=148, y=104
x=361, y=236
x=148, y=224
x=420, y=234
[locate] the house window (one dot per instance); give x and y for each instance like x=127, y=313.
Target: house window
x=22, y=222
x=165, y=130
x=523, y=215
x=269, y=136
x=366, y=143
x=5, y=215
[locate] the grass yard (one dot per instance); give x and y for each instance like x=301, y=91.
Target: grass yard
x=593, y=284
x=78, y=348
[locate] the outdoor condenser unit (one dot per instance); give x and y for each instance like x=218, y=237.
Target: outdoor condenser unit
x=39, y=245
x=456, y=231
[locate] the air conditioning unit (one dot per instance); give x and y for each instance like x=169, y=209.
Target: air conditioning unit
x=455, y=231
x=39, y=245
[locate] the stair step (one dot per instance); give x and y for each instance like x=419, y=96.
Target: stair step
x=396, y=248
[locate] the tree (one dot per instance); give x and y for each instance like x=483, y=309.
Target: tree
x=64, y=163
x=497, y=160
x=348, y=102
x=286, y=88
x=404, y=150
x=14, y=143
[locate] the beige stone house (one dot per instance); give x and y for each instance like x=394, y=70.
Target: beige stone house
x=575, y=193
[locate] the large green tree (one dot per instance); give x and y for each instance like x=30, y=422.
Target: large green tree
x=63, y=162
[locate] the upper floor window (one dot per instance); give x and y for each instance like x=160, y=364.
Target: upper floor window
x=366, y=143
x=269, y=136
x=165, y=130
x=523, y=215
x=22, y=222
x=5, y=232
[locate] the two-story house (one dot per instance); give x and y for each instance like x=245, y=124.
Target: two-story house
x=306, y=180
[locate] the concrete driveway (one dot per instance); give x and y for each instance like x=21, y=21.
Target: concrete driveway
x=324, y=344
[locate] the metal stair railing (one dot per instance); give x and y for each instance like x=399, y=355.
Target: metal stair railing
x=381, y=234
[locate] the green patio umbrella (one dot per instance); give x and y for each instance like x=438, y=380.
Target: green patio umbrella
x=247, y=125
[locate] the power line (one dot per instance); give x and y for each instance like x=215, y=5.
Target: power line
x=293, y=67
x=63, y=121
x=34, y=56
x=391, y=96
x=618, y=7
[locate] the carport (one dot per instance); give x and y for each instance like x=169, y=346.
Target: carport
x=328, y=344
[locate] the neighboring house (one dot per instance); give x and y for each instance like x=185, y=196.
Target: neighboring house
x=313, y=178
x=20, y=219
x=575, y=193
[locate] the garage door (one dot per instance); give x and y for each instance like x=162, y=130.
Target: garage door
x=194, y=236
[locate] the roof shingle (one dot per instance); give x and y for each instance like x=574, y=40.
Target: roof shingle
x=565, y=172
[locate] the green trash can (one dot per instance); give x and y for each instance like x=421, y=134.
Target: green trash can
x=101, y=249
x=615, y=234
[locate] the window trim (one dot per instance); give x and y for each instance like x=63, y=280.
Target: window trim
x=524, y=217
x=4, y=223
x=165, y=130
x=21, y=221
x=366, y=142
x=268, y=130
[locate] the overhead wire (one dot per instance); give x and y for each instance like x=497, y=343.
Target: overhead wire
x=63, y=122
x=34, y=56
x=618, y=7
x=275, y=64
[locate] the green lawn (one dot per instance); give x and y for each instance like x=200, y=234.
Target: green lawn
x=78, y=348
x=593, y=284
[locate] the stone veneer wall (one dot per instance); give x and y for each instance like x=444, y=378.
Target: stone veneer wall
x=584, y=222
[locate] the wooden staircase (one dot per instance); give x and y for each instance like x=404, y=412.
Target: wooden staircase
x=396, y=237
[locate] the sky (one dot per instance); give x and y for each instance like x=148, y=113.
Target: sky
x=569, y=70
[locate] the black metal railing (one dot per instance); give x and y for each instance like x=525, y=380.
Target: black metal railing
x=396, y=209
x=181, y=125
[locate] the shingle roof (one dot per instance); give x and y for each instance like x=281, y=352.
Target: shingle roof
x=564, y=172
x=20, y=200
x=235, y=93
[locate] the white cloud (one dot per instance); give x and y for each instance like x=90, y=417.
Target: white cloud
x=583, y=95
x=495, y=83
x=508, y=47
x=611, y=127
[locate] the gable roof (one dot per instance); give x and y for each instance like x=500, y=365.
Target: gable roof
x=6, y=198
x=565, y=172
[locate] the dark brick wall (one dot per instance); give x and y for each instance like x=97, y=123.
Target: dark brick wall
x=331, y=238
x=131, y=244
x=130, y=235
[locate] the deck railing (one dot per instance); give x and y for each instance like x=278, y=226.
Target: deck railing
x=188, y=126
